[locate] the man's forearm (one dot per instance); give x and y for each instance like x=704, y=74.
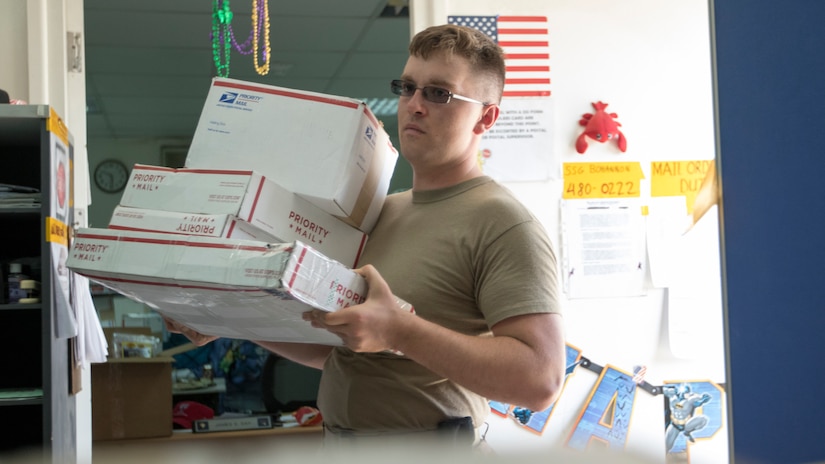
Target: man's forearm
x=302, y=353
x=524, y=367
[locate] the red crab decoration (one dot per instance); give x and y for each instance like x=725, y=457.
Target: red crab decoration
x=601, y=127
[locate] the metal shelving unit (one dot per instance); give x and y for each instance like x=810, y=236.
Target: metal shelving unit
x=35, y=394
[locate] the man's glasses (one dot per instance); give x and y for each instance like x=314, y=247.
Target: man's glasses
x=431, y=94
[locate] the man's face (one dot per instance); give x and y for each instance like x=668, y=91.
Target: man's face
x=431, y=134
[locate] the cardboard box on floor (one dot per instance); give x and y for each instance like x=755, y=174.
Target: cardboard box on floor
x=131, y=397
x=230, y=288
x=331, y=150
x=231, y=204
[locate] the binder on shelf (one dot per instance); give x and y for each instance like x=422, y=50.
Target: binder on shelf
x=226, y=424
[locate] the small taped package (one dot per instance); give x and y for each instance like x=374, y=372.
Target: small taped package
x=240, y=289
x=129, y=345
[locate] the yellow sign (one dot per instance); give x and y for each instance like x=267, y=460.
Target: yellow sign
x=56, y=126
x=602, y=180
x=678, y=178
x=57, y=232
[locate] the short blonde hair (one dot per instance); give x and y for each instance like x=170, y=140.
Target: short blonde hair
x=484, y=55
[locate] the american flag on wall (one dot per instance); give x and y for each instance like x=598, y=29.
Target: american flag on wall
x=526, y=46
x=639, y=373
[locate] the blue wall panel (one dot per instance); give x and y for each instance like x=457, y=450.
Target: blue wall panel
x=770, y=70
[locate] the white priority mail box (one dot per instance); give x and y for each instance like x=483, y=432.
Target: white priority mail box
x=331, y=150
x=230, y=288
x=207, y=225
x=208, y=196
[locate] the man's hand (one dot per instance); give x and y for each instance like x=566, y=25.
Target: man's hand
x=368, y=327
x=493, y=367
x=194, y=336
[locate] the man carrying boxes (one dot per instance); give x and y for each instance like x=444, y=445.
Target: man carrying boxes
x=478, y=266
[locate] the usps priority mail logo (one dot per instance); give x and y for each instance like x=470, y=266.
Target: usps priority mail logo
x=238, y=100
x=228, y=97
x=369, y=134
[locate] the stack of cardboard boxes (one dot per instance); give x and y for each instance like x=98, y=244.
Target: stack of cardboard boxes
x=280, y=191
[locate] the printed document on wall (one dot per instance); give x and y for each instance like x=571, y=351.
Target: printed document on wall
x=519, y=146
x=603, y=248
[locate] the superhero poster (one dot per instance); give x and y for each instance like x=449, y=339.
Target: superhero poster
x=694, y=414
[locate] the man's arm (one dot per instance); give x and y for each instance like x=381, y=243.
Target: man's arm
x=303, y=353
x=523, y=362
x=309, y=355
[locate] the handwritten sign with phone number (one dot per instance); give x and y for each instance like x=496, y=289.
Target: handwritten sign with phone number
x=602, y=180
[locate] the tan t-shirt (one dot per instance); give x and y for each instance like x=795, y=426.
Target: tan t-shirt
x=466, y=257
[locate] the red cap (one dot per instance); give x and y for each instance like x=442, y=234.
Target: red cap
x=186, y=412
x=307, y=415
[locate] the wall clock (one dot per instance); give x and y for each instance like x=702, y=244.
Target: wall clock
x=111, y=175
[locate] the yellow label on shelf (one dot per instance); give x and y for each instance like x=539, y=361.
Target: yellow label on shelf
x=56, y=126
x=602, y=180
x=57, y=232
x=678, y=178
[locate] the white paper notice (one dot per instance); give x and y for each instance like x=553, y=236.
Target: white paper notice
x=65, y=325
x=667, y=220
x=603, y=251
x=91, y=346
x=695, y=325
x=519, y=147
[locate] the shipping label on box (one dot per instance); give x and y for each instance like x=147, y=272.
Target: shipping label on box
x=225, y=287
x=172, y=222
x=331, y=150
x=214, y=197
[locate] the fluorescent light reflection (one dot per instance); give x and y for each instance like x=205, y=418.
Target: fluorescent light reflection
x=382, y=106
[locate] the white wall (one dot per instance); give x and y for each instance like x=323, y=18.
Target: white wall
x=13, y=51
x=650, y=61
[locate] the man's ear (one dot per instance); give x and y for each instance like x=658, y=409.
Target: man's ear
x=489, y=115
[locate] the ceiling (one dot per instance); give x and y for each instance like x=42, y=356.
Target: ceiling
x=149, y=63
